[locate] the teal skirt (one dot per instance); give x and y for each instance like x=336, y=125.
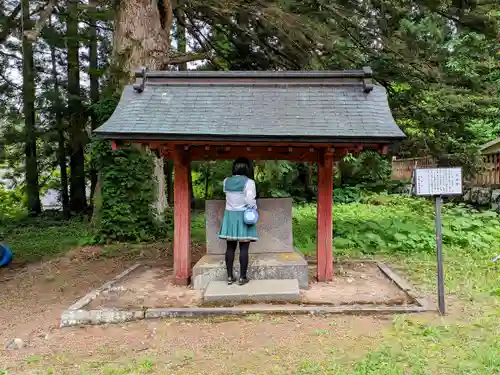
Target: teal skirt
x=233, y=228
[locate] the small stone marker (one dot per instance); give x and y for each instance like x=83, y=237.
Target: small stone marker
x=15, y=344
x=254, y=291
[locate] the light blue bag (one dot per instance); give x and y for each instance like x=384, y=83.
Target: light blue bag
x=251, y=216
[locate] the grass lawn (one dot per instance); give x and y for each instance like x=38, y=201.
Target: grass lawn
x=36, y=239
x=396, y=229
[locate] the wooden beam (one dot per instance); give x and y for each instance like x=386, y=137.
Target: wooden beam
x=182, y=217
x=301, y=154
x=324, y=268
x=259, y=151
x=351, y=146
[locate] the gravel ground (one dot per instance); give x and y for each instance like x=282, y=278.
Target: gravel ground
x=33, y=298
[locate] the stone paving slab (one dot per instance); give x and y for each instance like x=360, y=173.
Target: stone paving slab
x=255, y=291
x=359, y=287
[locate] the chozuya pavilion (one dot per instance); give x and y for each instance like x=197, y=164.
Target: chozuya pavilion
x=315, y=117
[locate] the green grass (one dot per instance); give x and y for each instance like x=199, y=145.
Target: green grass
x=35, y=239
x=464, y=345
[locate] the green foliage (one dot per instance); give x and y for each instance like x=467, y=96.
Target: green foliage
x=395, y=224
x=210, y=175
x=12, y=206
x=369, y=169
x=106, y=106
x=127, y=190
x=276, y=178
x=273, y=178
x=348, y=194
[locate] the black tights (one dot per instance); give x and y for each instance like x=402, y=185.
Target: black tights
x=231, y=249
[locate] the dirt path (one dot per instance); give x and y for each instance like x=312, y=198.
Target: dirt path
x=33, y=298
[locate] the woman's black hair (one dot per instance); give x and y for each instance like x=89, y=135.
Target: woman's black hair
x=243, y=167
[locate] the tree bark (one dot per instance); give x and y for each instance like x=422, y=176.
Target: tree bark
x=78, y=201
x=181, y=36
x=94, y=92
x=61, y=150
x=169, y=175
x=141, y=37
x=161, y=198
x=32, y=187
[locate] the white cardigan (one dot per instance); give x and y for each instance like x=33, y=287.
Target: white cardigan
x=240, y=201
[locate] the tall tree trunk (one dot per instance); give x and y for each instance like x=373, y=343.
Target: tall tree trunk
x=169, y=174
x=141, y=37
x=94, y=92
x=61, y=151
x=181, y=36
x=78, y=201
x=32, y=187
x=207, y=178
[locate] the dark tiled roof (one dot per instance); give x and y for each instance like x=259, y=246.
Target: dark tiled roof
x=253, y=105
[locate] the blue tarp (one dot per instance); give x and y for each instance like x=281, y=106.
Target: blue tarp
x=5, y=255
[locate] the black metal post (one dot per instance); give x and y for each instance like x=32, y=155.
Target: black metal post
x=439, y=248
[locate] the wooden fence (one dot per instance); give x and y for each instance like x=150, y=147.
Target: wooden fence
x=490, y=172
x=402, y=169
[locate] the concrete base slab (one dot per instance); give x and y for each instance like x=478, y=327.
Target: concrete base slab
x=270, y=266
x=254, y=291
x=144, y=281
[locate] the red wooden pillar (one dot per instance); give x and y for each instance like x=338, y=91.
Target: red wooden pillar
x=324, y=216
x=182, y=217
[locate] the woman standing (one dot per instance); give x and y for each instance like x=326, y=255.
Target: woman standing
x=241, y=194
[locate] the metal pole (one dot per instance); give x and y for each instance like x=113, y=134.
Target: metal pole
x=439, y=246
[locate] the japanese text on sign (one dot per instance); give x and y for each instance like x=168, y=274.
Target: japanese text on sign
x=438, y=181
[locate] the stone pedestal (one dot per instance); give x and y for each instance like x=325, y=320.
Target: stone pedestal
x=274, y=226
x=271, y=266
x=273, y=257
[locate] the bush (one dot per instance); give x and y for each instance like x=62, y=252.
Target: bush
x=349, y=194
x=370, y=170
x=127, y=192
x=395, y=224
x=11, y=206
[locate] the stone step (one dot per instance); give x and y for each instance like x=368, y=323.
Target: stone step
x=254, y=291
x=270, y=266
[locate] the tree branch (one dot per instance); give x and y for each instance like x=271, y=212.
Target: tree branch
x=187, y=57
x=10, y=23
x=105, y=28
x=195, y=32
x=11, y=84
x=33, y=34
x=10, y=55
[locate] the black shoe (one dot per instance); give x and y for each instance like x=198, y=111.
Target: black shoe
x=243, y=281
x=231, y=280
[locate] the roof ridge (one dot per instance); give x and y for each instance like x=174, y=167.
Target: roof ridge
x=361, y=77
